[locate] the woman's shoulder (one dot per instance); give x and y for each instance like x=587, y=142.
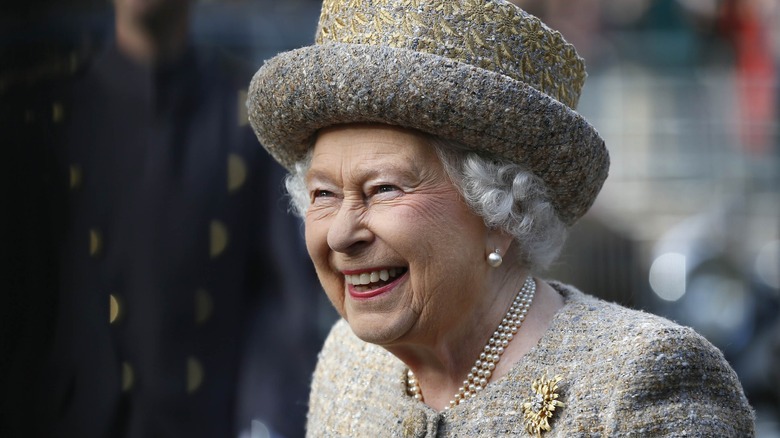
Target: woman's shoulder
x=589, y=316
x=652, y=367
x=629, y=337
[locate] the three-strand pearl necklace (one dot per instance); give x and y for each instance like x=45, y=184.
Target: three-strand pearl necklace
x=484, y=366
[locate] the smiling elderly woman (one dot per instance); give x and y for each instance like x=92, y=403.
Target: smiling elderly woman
x=437, y=159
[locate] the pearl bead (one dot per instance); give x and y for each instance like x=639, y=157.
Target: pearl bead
x=495, y=259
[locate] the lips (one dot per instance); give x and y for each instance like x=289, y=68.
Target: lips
x=372, y=283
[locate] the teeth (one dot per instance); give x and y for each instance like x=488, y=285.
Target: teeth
x=372, y=277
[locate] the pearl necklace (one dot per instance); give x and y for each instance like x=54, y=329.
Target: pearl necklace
x=484, y=366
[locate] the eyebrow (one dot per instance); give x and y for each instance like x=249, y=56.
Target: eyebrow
x=368, y=173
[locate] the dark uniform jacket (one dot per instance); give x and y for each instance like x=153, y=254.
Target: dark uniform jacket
x=173, y=245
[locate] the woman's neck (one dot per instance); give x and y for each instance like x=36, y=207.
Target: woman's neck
x=442, y=361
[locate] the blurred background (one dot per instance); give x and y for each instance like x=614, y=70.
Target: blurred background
x=685, y=93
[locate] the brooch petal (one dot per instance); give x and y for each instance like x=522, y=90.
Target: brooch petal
x=540, y=409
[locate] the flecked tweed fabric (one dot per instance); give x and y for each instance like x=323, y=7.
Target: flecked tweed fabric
x=624, y=373
x=481, y=72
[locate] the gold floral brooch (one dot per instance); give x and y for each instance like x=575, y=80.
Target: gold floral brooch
x=540, y=409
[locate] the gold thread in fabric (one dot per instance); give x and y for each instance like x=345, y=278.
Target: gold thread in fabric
x=491, y=34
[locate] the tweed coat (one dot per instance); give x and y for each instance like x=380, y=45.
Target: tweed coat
x=624, y=373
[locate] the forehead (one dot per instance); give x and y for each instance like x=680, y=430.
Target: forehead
x=366, y=146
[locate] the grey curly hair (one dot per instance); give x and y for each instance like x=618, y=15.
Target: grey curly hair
x=503, y=193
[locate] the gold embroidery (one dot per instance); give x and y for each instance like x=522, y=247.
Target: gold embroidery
x=385, y=18
x=445, y=7
x=360, y=19
x=532, y=35
x=485, y=33
x=477, y=11
x=507, y=22
x=408, y=24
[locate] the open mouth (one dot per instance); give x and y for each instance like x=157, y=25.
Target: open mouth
x=368, y=281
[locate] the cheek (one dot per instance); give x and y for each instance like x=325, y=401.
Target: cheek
x=317, y=246
x=449, y=236
x=311, y=235
x=316, y=235
x=434, y=221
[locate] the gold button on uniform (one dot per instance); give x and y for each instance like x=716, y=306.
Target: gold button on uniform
x=95, y=242
x=218, y=238
x=236, y=172
x=73, y=61
x=115, y=310
x=75, y=176
x=57, y=112
x=204, y=305
x=128, y=378
x=194, y=374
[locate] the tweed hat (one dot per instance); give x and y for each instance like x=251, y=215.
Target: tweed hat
x=481, y=72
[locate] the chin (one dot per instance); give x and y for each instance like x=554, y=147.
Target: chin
x=381, y=329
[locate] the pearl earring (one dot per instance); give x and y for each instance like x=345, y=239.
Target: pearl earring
x=494, y=259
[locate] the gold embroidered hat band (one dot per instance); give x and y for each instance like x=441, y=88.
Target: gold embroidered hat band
x=481, y=72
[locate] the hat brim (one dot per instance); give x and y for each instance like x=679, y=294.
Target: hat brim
x=299, y=92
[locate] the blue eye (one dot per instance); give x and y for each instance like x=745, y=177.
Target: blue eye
x=385, y=188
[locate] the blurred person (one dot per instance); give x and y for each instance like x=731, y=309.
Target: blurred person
x=173, y=251
x=437, y=174
x=750, y=25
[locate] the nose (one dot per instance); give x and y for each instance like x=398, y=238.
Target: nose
x=348, y=231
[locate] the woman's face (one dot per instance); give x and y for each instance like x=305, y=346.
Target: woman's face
x=398, y=252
